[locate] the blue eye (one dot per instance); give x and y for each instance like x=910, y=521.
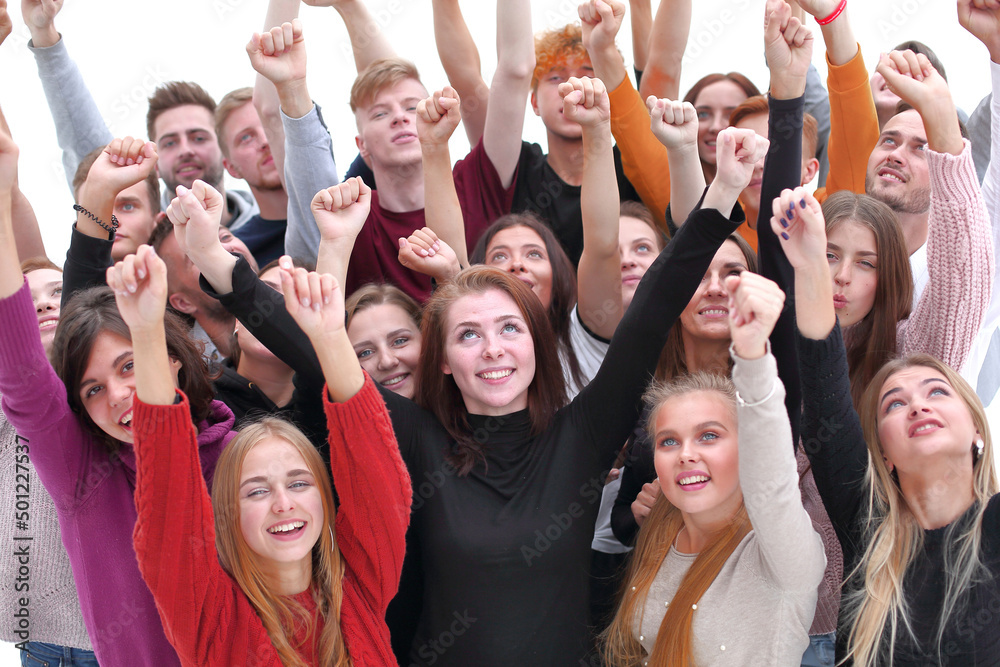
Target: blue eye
x=364, y=354
x=668, y=442
x=535, y=254
x=256, y=493
x=868, y=265
x=710, y=436
x=892, y=405
x=468, y=334
x=401, y=341
x=510, y=328
x=497, y=257
x=299, y=484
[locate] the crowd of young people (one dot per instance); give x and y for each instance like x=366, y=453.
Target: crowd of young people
x=703, y=384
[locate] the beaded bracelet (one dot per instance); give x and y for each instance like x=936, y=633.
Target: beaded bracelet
x=114, y=221
x=836, y=12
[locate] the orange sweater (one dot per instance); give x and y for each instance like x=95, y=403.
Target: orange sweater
x=205, y=614
x=853, y=134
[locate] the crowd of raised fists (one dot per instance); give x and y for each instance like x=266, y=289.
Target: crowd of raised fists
x=706, y=380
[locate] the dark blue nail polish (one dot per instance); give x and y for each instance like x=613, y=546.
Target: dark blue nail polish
x=784, y=236
x=802, y=203
x=784, y=223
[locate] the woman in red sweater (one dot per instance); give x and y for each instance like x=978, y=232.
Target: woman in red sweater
x=284, y=578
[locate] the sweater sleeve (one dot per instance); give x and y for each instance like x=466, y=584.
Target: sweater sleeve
x=87, y=262
x=853, y=127
x=791, y=550
x=79, y=125
x=991, y=192
x=782, y=169
x=309, y=168
x=611, y=403
x=644, y=158
x=69, y=462
x=959, y=262
x=832, y=435
x=205, y=615
x=374, y=491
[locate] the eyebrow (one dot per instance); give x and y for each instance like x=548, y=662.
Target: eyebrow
x=734, y=265
x=866, y=253
x=298, y=472
x=498, y=318
x=114, y=364
x=922, y=383
x=507, y=247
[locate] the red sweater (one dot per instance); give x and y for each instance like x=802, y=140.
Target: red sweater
x=206, y=616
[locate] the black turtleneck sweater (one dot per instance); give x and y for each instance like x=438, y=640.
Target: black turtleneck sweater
x=505, y=550
x=833, y=440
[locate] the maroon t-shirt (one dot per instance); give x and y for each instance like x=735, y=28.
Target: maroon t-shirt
x=375, y=258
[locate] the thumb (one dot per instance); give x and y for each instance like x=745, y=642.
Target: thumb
x=732, y=283
x=605, y=11
x=772, y=27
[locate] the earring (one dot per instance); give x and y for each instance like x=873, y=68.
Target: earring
x=888, y=463
x=979, y=449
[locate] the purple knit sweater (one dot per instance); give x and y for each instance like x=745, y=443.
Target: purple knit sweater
x=93, y=493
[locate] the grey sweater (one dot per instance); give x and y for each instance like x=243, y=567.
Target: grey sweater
x=760, y=606
x=53, y=608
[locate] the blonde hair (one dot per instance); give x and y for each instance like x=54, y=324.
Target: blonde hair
x=674, y=645
x=281, y=615
x=875, y=608
x=378, y=76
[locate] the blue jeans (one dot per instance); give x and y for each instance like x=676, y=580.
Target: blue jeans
x=821, y=651
x=39, y=654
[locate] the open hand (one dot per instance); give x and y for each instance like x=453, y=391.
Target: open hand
x=279, y=54
x=585, y=101
x=798, y=221
x=341, y=210
x=315, y=301
x=601, y=21
x=438, y=116
x=425, y=253
x=196, y=215
x=674, y=123
x=754, y=306
x=140, y=285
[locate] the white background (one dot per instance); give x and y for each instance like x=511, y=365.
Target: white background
x=125, y=48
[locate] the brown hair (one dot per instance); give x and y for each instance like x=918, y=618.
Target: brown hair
x=92, y=312
x=372, y=294
x=281, y=615
x=759, y=105
x=563, y=293
x=36, y=263
x=872, y=341
x=555, y=47
x=673, y=360
x=438, y=392
x=637, y=210
x=83, y=169
x=378, y=76
x=175, y=94
x=674, y=638
x=232, y=101
x=735, y=77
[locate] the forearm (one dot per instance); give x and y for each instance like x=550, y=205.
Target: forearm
x=25, y=225
x=367, y=40
x=334, y=258
x=608, y=66
x=719, y=197
x=11, y=279
x=599, y=271
x=339, y=362
x=662, y=75
x=265, y=96
x=687, y=181
x=442, y=211
x=641, y=19
x=309, y=168
x=460, y=59
x=854, y=129
x=216, y=265
x=154, y=384
x=87, y=262
x=99, y=201
x=814, y=314
x=941, y=126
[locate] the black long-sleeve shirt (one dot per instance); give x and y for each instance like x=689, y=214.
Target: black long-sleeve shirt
x=833, y=440
x=506, y=549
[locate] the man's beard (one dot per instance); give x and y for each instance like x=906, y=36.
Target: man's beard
x=212, y=175
x=915, y=201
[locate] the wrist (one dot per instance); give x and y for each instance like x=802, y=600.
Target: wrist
x=214, y=255
x=787, y=87
x=293, y=95
x=42, y=38
x=148, y=334
x=749, y=351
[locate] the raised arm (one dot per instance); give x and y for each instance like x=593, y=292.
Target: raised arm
x=675, y=125
x=460, y=59
x=79, y=125
x=437, y=118
x=599, y=274
x=265, y=95
x=279, y=56
x=340, y=212
x=11, y=280
x=123, y=163
x=367, y=39
x=641, y=20
x=509, y=88
x=791, y=551
x=662, y=75
x=960, y=258
x=25, y=224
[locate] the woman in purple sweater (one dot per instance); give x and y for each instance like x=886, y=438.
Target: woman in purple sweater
x=78, y=423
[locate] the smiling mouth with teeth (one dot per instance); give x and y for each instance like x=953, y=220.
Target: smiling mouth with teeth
x=694, y=479
x=286, y=528
x=496, y=375
x=395, y=380
x=126, y=420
